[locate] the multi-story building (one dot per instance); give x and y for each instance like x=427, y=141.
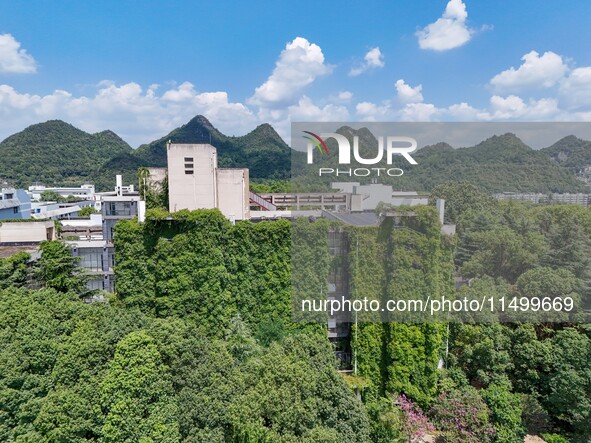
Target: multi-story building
x=58, y=211
x=196, y=182
x=538, y=198
x=97, y=256
x=84, y=192
x=124, y=203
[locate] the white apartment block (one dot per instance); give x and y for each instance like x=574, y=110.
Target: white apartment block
x=84, y=192
x=196, y=182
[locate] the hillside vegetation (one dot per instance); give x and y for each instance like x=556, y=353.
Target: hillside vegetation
x=500, y=163
x=198, y=344
x=56, y=152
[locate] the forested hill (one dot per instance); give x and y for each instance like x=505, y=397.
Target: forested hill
x=499, y=163
x=570, y=152
x=56, y=152
x=263, y=151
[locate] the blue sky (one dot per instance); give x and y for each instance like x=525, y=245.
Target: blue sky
x=142, y=68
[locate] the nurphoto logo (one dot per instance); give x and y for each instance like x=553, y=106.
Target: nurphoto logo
x=390, y=145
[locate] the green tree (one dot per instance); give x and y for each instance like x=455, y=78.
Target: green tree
x=461, y=197
x=502, y=252
x=136, y=394
x=51, y=196
x=569, y=381
x=87, y=211
x=59, y=269
x=506, y=412
x=14, y=270
x=385, y=421
x=481, y=351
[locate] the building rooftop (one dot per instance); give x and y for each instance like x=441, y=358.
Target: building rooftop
x=10, y=203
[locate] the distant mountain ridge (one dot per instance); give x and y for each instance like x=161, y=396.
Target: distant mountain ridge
x=499, y=163
x=262, y=150
x=570, y=152
x=57, y=153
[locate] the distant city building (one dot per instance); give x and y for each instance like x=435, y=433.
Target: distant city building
x=538, y=198
x=368, y=197
x=196, y=182
x=84, y=192
x=347, y=197
x=14, y=204
x=58, y=211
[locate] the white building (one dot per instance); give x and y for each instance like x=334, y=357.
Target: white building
x=30, y=232
x=84, y=192
x=368, y=197
x=196, y=182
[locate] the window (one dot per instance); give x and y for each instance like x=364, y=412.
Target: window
x=15, y=210
x=8, y=196
x=189, y=166
x=119, y=208
x=91, y=259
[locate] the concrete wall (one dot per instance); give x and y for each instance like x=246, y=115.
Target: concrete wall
x=26, y=232
x=373, y=195
x=233, y=193
x=156, y=178
x=191, y=184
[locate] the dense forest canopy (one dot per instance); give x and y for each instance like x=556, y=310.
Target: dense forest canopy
x=198, y=344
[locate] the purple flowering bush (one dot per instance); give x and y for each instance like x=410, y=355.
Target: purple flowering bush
x=414, y=424
x=462, y=416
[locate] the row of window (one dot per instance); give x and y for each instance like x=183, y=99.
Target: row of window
x=189, y=166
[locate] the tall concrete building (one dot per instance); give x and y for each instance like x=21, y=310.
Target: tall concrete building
x=97, y=255
x=196, y=182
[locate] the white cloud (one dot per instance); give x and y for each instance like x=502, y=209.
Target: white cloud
x=371, y=112
x=136, y=115
x=408, y=94
x=418, y=112
x=535, y=72
x=342, y=97
x=306, y=110
x=575, y=90
x=345, y=96
x=13, y=59
x=465, y=112
x=448, y=32
x=299, y=64
x=373, y=59
x=514, y=107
